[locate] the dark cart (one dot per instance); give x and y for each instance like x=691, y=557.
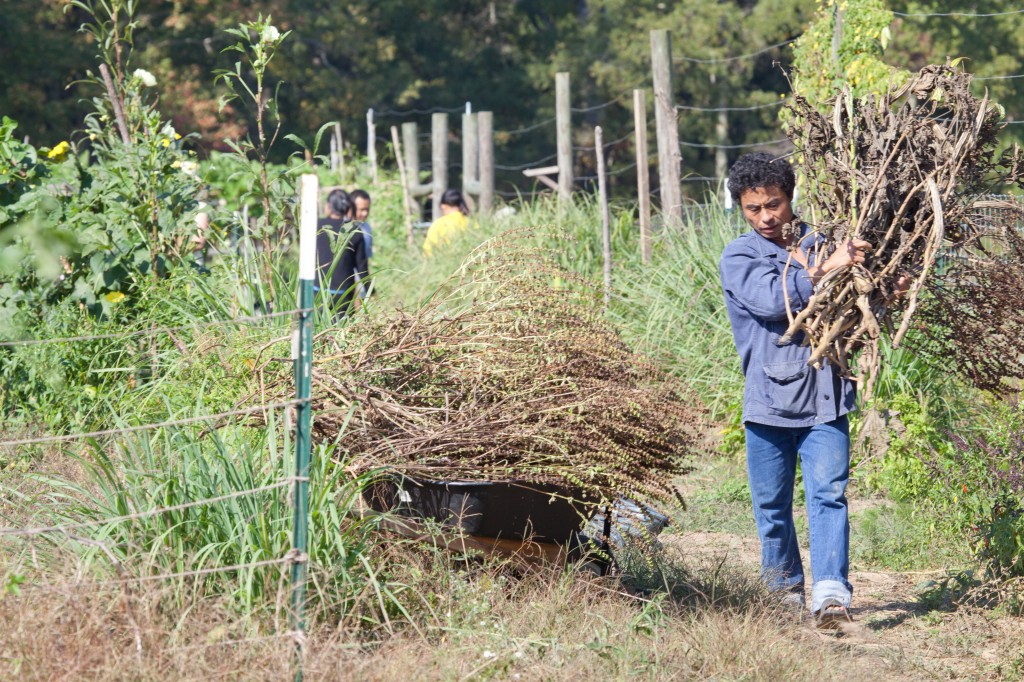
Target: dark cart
x=523, y=520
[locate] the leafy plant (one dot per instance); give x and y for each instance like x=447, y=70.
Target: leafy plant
x=258, y=42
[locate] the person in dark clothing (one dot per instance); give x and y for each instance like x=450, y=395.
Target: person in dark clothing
x=340, y=253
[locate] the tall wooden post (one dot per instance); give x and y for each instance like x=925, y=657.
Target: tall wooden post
x=563, y=115
x=371, y=144
x=485, y=125
x=721, y=139
x=470, y=154
x=411, y=152
x=606, y=230
x=643, y=173
x=406, y=198
x=340, y=146
x=669, y=158
x=438, y=159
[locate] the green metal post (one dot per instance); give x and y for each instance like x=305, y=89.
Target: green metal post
x=303, y=369
x=303, y=357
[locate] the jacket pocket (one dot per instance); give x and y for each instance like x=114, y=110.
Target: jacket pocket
x=789, y=389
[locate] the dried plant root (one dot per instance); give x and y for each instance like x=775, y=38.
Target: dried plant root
x=903, y=171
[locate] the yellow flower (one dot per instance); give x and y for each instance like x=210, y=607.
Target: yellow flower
x=114, y=297
x=58, y=152
x=166, y=142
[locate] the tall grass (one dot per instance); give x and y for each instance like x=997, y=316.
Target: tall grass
x=176, y=466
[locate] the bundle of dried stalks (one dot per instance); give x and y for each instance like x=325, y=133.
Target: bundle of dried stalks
x=905, y=171
x=510, y=374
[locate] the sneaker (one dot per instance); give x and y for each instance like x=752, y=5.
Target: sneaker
x=794, y=601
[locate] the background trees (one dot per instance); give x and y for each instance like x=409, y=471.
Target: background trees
x=401, y=57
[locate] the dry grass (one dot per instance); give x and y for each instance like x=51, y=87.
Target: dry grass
x=483, y=622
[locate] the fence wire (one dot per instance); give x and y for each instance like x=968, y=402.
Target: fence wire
x=957, y=14
x=156, y=330
x=527, y=129
x=754, y=107
x=723, y=60
x=699, y=145
x=12, y=531
x=157, y=425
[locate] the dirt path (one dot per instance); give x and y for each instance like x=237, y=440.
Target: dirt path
x=894, y=631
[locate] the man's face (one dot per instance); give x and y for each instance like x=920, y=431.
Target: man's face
x=767, y=209
x=362, y=209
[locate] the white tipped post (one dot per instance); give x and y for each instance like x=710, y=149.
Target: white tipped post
x=308, y=199
x=371, y=144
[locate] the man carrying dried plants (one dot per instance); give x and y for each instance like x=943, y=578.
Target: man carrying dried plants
x=790, y=409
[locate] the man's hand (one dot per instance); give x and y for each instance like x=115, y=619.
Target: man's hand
x=852, y=252
x=902, y=287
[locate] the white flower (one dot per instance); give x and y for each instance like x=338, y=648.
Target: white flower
x=270, y=34
x=489, y=654
x=147, y=79
x=189, y=167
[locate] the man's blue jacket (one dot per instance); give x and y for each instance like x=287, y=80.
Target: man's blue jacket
x=781, y=388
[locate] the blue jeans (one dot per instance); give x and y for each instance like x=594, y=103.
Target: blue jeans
x=824, y=451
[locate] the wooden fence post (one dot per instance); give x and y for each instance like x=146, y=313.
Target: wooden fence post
x=406, y=198
x=643, y=173
x=371, y=144
x=606, y=231
x=438, y=160
x=411, y=152
x=563, y=114
x=478, y=159
x=340, y=145
x=485, y=126
x=470, y=154
x=669, y=158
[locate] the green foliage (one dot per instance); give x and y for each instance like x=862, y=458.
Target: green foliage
x=258, y=42
x=129, y=205
x=843, y=47
x=903, y=473
x=30, y=241
x=21, y=170
x=990, y=45
x=906, y=536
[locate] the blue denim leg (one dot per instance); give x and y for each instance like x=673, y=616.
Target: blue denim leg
x=825, y=462
x=771, y=470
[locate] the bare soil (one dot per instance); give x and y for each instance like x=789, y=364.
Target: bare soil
x=891, y=625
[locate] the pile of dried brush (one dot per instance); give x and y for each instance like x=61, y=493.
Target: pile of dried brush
x=910, y=172
x=511, y=374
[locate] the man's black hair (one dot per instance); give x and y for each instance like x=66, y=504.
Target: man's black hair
x=359, y=194
x=340, y=202
x=760, y=169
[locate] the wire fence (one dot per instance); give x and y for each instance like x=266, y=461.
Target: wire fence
x=958, y=14
x=527, y=129
x=726, y=60
x=156, y=330
x=92, y=530
x=753, y=107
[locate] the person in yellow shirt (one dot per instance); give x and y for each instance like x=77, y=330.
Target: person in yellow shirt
x=453, y=222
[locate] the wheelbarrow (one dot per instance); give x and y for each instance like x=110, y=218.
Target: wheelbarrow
x=526, y=521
